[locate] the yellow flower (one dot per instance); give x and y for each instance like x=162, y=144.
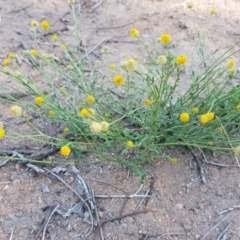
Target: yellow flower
x=90, y=99
x=17, y=74
x=220, y=129
x=162, y=60
x=238, y=106
x=112, y=66
x=52, y=113
x=195, y=110
x=39, y=100
x=104, y=125
x=129, y=144
x=34, y=52
x=16, y=110
x=63, y=47
x=213, y=11
x=204, y=119
x=184, y=117
x=148, y=102
x=66, y=130
x=134, y=33
x=54, y=38
x=65, y=151
x=232, y=71
x=2, y=133
x=181, y=59
x=174, y=161
x=190, y=5
x=210, y=115
x=118, y=80
x=210, y=143
x=1, y=125
x=95, y=127
x=129, y=65
x=91, y=111
x=231, y=64
x=6, y=63
x=105, y=49
x=11, y=56
x=34, y=23
x=84, y=112
x=71, y=2
x=165, y=38
x=237, y=151
x=45, y=25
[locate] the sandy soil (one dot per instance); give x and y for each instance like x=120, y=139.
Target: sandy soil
x=179, y=203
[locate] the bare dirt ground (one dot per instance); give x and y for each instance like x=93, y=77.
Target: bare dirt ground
x=179, y=203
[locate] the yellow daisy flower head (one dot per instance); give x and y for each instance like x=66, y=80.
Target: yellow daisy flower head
x=45, y=25
x=2, y=133
x=204, y=119
x=6, y=62
x=54, y=38
x=195, y=110
x=213, y=12
x=34, y=52
x=232, y=71
x=1, y=125
x=190, y=5
x=16, y=110
x=118, y=80
x=17, y=74
x=210, y=115
x=231, y=64
x=181, y=59
x=63, y=47
x=95, y=127
x=91, y=111
x=52, y=113
x=11, y=56
x=220, y=129
x=65, y=151
x=164, y=38
x=90, y=99
x=104, y=125
x=71, y=2
x=105, y=49
x=84, y=112
x=238, y=106
x=34, y=23
x=237, y=151
x=210, y=143
x=66, y=130
x=134, y=33
x=161, y=60
x=184, y=117
x=112, y=66
x=174, y=161
x=129, y=144
x=147, y=102
x=39, y=100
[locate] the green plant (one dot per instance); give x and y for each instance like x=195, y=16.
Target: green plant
x=130, y=119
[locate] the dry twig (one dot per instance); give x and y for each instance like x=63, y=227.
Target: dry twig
x=228, y=210
x=117, y=218
x=48, y=220
x=199, y=164
x=97, y=5
x=76, y=193
x=214, y=227
x=224, y=231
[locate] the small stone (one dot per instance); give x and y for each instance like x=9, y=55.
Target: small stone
x=195, y=210
x=100, y=214
x=219, y=193
x=179, y=206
